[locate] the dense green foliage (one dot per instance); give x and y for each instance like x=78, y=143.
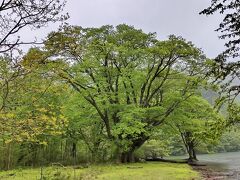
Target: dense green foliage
x=104, y=94
x=131, y=80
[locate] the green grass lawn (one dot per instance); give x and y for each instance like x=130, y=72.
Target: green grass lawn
x=136, y=171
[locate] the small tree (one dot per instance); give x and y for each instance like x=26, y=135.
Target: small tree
x=194, y=121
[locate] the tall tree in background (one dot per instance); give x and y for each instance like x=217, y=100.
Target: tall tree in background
x=18, y=14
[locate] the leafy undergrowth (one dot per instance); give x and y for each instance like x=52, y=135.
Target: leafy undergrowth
x=136, y=171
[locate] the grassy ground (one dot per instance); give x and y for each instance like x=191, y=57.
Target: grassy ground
x=137, y=171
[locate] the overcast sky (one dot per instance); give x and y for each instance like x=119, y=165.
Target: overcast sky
x=179, y=17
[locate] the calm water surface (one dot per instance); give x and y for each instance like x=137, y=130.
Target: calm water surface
x=228, y=161
x=224, y=165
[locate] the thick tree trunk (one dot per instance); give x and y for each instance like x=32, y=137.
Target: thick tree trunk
x=127, y=157
x=191, y=153
x=194, y=155
x=190, y=146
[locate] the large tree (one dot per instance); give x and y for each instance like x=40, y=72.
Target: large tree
x=16, y=15
x=131, y=79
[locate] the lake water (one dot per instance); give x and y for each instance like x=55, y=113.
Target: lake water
x=224, y=165
x=227, y=161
